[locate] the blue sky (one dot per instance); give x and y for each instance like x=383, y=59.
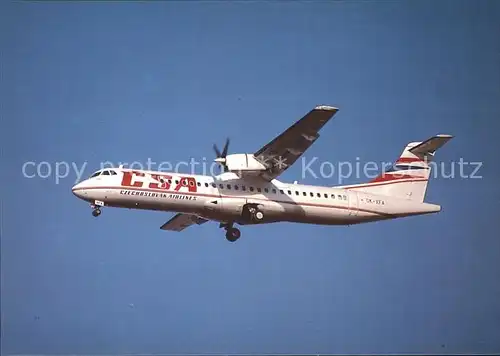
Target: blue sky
x=86, y=82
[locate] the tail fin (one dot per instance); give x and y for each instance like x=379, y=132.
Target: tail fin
x=409, y=176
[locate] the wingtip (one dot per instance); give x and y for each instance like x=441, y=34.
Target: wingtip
x=326, y=108
x=445, y=136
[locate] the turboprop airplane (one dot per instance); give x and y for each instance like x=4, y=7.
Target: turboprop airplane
x=247, y=191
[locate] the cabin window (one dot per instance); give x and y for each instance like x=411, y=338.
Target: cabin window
x=304, y=194
x=339, y=196
x=311, y=194
x=290, y=192
x=105, y=173
x=333, y=196
x=243, y=188
x=229, y=186
x=199, y=184
x=170, y=181
x=296, y=193
x=326, y=195
x=235, y=187
x=191, y=183
x=319, y=195
x=345, y=197
x=266, y=190
x=206, y=185
x=274, y=191
x=221, y=186
x=251, y=189
x=214, y=185
x=281, y=191
x=259, y=190
x=176, y=182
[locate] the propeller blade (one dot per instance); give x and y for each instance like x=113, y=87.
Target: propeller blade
x=226, y=148
x=217, y=152
x=221, y=156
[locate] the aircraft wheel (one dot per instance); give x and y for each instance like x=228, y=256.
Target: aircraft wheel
x=258, y=215
x=96, y=212
x=233, y=234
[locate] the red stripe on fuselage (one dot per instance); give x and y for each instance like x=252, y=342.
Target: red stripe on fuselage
x=373, y=184
x=236, y=197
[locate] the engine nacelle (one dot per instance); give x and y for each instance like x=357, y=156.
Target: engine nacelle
x=244, y=162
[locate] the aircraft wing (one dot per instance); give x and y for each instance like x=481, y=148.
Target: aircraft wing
x=182, y=221
x=285, y=149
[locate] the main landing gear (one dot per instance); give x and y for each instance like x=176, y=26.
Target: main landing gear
x=251, y=214
x=96, y=212
x=258, y=215
x=255, y=214
x=232, y=233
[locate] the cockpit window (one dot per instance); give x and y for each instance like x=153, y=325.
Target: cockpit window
x=106, y=172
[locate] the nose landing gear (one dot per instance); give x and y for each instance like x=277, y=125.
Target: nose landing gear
x=96, y=208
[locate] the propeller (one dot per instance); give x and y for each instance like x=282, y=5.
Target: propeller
x=221, y=156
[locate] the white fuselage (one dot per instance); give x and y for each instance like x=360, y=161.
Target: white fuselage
x=223, y=198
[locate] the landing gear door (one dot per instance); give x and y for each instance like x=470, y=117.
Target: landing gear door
x=252, y=201
x=353, y=203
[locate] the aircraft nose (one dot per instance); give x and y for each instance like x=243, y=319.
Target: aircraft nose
x=78, y=190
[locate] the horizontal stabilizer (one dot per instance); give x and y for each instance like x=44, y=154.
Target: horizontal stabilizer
x=428, y=147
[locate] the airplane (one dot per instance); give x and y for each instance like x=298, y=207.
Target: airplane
x=247, y=191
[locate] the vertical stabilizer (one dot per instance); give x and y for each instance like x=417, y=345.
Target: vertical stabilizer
x=409, y=176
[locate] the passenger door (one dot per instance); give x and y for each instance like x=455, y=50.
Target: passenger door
x=352, y=200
